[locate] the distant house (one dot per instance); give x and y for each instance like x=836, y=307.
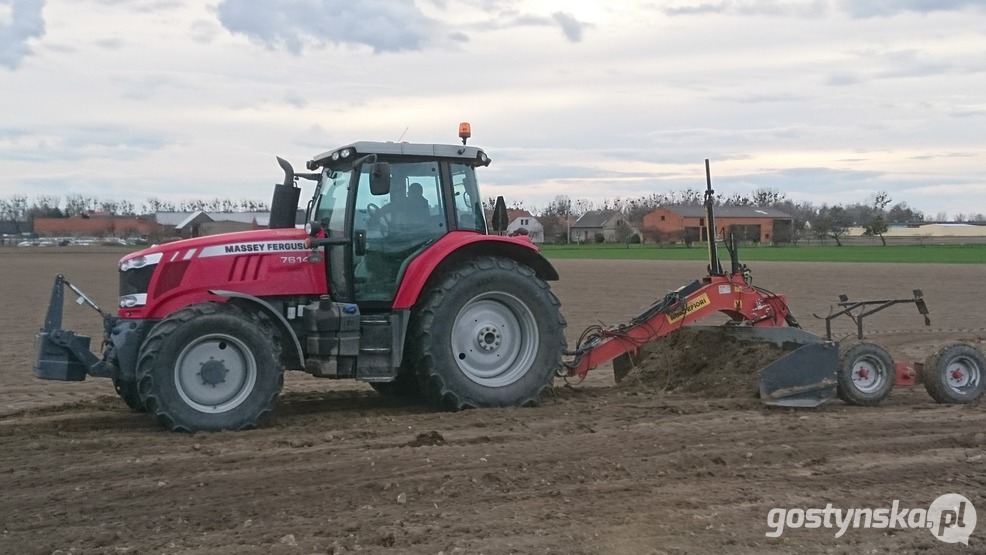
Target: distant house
x=96, y=224
x=521, y=222
x=202, y=223
x=610, y=224
x=196, y=224
x=745, y=223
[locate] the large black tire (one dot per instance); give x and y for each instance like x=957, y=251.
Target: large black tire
x=209, y=367
x=488, y=334
x=127, y=391
x=866, y=374
x=954, y=374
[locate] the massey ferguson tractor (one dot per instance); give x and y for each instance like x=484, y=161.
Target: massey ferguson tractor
x=397, y=282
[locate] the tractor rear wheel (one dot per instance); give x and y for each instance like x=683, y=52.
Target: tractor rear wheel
x=866, y=374
x=489, y=334
x=209, y=367
x=127, y=391
x=954, y=374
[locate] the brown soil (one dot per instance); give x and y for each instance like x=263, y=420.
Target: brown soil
x=594, y=469
x=701, y=362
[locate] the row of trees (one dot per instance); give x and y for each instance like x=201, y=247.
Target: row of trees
x=20, y=212
x=809, y=220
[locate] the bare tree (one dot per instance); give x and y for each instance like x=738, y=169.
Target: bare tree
x=832, y=222
x=554, y=218
x=582, y=206
x=878, y=224
x=902, y=213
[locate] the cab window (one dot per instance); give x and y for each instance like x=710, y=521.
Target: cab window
x=468, y=205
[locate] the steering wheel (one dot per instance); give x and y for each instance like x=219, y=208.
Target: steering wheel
x=376, y=216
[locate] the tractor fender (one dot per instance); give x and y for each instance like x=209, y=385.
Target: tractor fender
x=290, y=339
x=458, y=246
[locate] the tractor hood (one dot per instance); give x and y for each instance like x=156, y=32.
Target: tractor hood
x=264, y=263
x=259, y=241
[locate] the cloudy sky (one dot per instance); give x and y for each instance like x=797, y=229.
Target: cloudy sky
x=825, y=100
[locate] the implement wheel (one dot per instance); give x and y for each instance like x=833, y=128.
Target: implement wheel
x=954, y=374
x=866, y=374
x=489, y=334
x=209, y=367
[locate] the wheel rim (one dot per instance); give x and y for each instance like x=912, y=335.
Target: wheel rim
x=494, y=339
x=215, y=373
x=868, y=374
x=962, y=374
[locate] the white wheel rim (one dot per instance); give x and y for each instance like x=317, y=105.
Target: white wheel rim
x=215, y=373
x=868, y=374
x=962, y=374
x=494, y=339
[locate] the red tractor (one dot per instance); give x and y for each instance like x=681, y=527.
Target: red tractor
x=395, y=281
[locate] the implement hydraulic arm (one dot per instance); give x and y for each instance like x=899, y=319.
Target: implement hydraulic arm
x=730, y=295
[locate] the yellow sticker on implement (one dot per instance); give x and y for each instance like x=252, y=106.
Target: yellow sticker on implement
x=693, y=305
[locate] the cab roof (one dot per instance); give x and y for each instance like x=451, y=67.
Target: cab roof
x=363, y=148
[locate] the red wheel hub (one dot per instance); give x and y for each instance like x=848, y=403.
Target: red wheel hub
x=863, y=373
x=957, y=374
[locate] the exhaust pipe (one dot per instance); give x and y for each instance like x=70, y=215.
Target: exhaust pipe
x=284, y=203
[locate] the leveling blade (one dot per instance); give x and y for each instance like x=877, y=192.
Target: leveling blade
x=805, y=376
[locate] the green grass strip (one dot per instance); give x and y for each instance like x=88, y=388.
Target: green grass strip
x=904, y=254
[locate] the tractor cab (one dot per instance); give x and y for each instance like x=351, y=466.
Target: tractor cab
x=381, y=204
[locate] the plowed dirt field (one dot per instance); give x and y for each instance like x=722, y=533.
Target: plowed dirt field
x=597, y=468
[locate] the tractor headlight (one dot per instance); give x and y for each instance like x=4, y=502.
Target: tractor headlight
x=130, y=301
x=341, y=154
x=140, y=261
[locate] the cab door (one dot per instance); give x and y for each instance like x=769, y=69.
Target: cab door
x=391, y=229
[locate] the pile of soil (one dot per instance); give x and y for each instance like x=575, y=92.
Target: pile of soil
x=702, y=362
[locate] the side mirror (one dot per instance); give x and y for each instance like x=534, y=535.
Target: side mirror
x=379, y=178
x=500, y=216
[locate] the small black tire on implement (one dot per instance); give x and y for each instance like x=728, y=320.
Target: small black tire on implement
x=866, y=374
x=209, y=367
x=954, y=374
x=489, y=334
x=127, y=391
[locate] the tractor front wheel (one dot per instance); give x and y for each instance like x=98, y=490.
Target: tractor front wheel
x=209, y=367
x=866, y=374
x=489, y=334
x=954, y=374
